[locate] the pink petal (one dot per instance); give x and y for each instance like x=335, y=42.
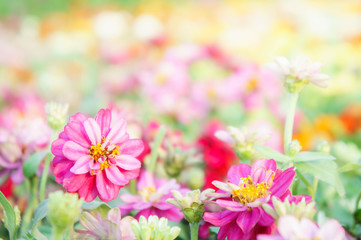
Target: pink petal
x=81, y=165
x=246, y=220
x=88, y=191
x=236, y=206
x=266, y=219
x=75, y=130
x=220, y=218
x=128, y=198
x=107, y=190
x=74, y=151
x=258, y=175
x=73, y=182
x=57, y=147
x=115, y=176
x=131, y=174
x=282, y=182
x=93, y=131
x=132, y=147
x=231, y=231
x=103, y=119
x=146, y=179
x=236, y=172
x=78, y=117
x=331, y=230
x=128, y=162
x=266, y=164
x=117, y=133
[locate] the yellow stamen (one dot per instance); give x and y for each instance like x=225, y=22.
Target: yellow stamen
x=249, y=192
x=146, y=192
x=252, y=85
x=98, y=151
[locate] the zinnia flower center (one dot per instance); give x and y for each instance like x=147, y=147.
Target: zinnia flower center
x=103, y=155
x=249, y=191
x=146, y=192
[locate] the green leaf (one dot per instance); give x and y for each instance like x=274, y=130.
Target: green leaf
x=313, y=156
x=32, y=163
x=10, y=215
x=324, y=170
x=40, y=212
x=93, y=205
x=271, y=154
x=350, y=167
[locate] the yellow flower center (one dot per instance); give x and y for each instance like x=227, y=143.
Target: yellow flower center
x=252, y=85
x=98, y=151
x=249, y=192
x=146, y=192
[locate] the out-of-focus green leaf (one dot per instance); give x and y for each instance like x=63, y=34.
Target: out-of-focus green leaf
x=350, y=167
x=32, y=163
x=40, y=212
x=10, y=216
x=271, y=154
x=324, y=170
x=313, y=156
x=94, y=205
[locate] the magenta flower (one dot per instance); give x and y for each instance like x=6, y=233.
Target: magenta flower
x=151, y=198
x=289, y=227
x=95, y=157
x=242, y=196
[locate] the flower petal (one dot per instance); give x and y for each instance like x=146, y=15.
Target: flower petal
x=103, y=119
x=132, y=147
x=81, y=165
x=220, y=218
x=236, y=172
x=57, y=147
x=115, y=176
x=246, y=220
x=107, y=190
x=88, y=191
x=75, y=131
x=282, y=182
x=93, y=130
x=117, y=133
x=128, y=162
x=74, y=151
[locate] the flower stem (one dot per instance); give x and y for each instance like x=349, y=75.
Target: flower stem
x=291, y=109
x=57, y=234
x=154, y=154
x=31, y=204
x=314, y=189
x=194, y=230
x=44, y=177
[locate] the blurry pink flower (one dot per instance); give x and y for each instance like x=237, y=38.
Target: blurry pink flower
x=95, y=157
x=151, y=198
x=20, y=137
x=258, y=86
x=111, y=227
x=242, y=196
x=290, y=228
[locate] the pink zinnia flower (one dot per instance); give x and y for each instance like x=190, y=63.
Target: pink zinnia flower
x=289, y=228
x=151, y=198
x=95, y=157
x=242, y=196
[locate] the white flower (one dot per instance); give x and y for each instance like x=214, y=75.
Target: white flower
x=300, y=71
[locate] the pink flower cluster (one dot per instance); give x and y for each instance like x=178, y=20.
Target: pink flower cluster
x=95, y=157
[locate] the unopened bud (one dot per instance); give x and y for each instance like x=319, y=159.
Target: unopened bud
x=294, y=148
x=56, y=114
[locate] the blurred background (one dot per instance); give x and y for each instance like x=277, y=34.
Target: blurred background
x=195, y=66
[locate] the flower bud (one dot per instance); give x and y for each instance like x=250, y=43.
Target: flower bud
x=299, y=210
x=192, y=205
x=56, y=114
x=154, y=228
x=323, y=147
x=64, y=209
x=294, y=148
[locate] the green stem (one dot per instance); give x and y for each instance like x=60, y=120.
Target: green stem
x=57, y=234
x=307, y=183
x=154, y=154
x=44, y=178
x=31, y=204
x=133, y=187
x=194, y=230
x=314, y=189
x=291, y=109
